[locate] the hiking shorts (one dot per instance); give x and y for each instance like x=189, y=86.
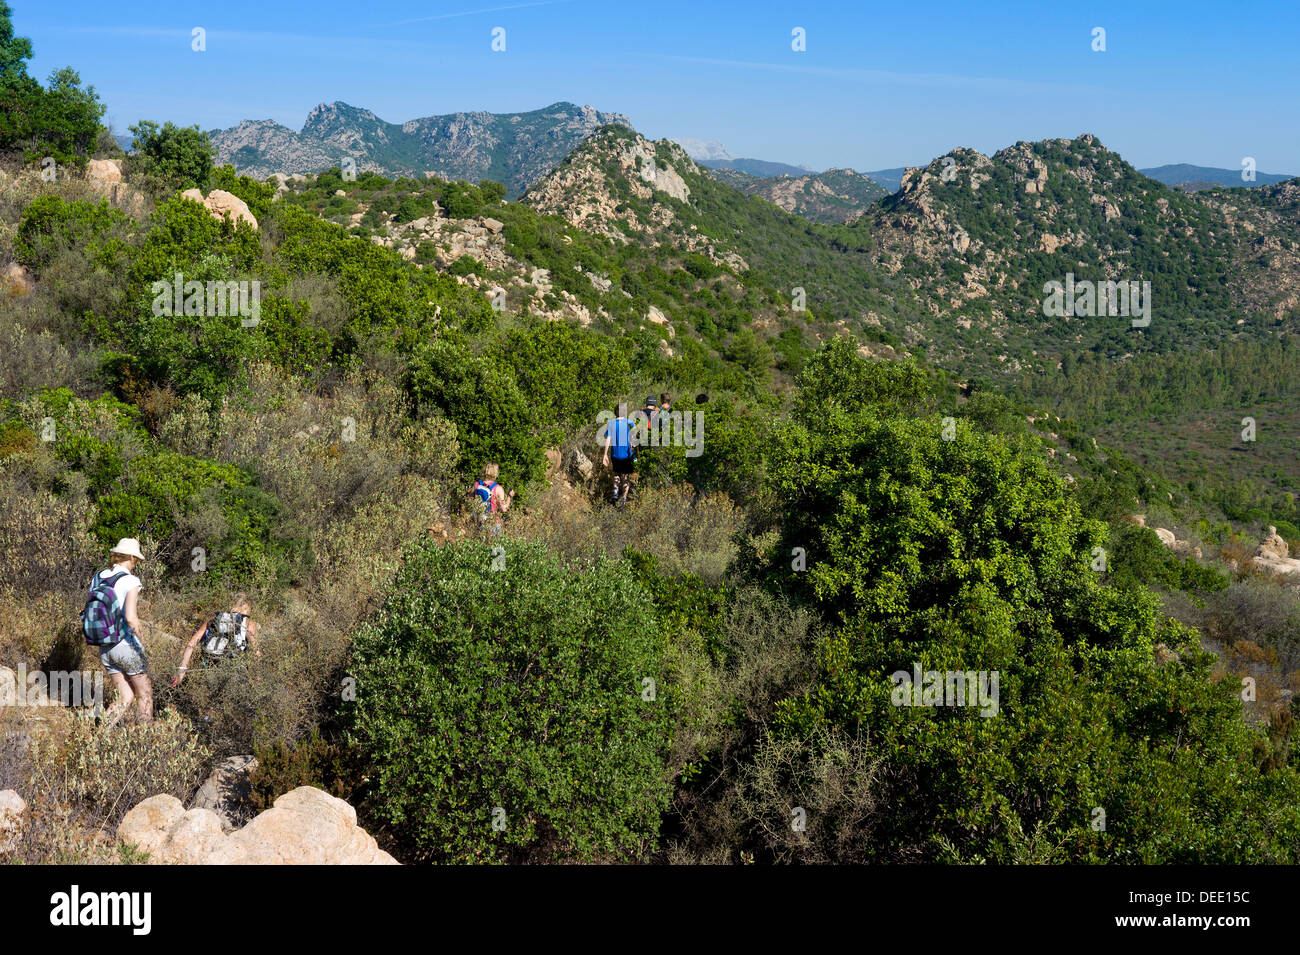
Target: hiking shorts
x=125, y=657
x=624, y=465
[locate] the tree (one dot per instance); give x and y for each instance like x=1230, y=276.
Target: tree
x=503, y=707
x=14, y=50
x=567, y=373
x=61, y=122
x=171, y=157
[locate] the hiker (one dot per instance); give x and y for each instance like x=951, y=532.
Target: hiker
x=228, y=633
x=665, y=404
x=490, y=497
x=621, y=449
x=111, y=622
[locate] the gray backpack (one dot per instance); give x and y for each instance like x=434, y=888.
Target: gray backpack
x=227, y=632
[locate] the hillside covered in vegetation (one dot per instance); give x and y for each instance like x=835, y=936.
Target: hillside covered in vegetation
x=710, y=673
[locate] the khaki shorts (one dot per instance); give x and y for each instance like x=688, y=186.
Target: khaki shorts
x=125, y=657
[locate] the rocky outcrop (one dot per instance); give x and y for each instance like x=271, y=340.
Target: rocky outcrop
x=1183, y=548
x=580, y=466
x=1273, y=556
x=304, y=827
x=105, y=177
x=656, y=317
x=222, y=204
x=836, y=195
x=103, y=172
x=554, y=461
x=585, y=190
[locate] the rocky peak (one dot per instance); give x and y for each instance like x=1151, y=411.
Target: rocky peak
x=516, y=147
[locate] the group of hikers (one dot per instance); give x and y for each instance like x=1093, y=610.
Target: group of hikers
x=111, y=617
x=110, y=622
x=622, y=440
x=621, y=443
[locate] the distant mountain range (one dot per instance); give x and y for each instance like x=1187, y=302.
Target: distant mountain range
x=756, y=167
x=513, y=148
x=1192, y=178
x=962, y=263
x=1185, y=176
x=701, y=151
x=891, y=179
x=518, y=149
x=836, y=195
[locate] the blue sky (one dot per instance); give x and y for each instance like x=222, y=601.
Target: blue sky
x=879, y=85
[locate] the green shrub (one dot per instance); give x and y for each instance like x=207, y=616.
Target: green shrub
x=566, y=374
x=514, y=695
x=50, y=224
x=283, y=767
x=837, y=375
x=181, y=502
x=461, y=200
x=1139, y=559
x=479, y=394
x=465, y=265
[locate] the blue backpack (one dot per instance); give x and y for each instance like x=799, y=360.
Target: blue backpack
x=102, y=620
x=620, y=438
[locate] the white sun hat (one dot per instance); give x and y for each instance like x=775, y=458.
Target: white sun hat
x=128, y=547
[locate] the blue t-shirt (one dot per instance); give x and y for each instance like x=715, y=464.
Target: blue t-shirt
x=620, y=438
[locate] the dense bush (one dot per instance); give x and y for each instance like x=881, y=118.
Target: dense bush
x=967, y=555
x=479, y=393
x=1139, y=559
x=515, y=696
x=283, y=767
x=168, y=498
x=170, y=158
x=566, y=374
x=51, y=225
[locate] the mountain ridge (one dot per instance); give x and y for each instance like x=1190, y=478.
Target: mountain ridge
x=513, y=148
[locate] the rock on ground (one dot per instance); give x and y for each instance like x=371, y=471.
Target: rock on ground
x=304, y=827
x=581, y=465
x=104, y=172
x=1272, y=556
x=221, y=204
